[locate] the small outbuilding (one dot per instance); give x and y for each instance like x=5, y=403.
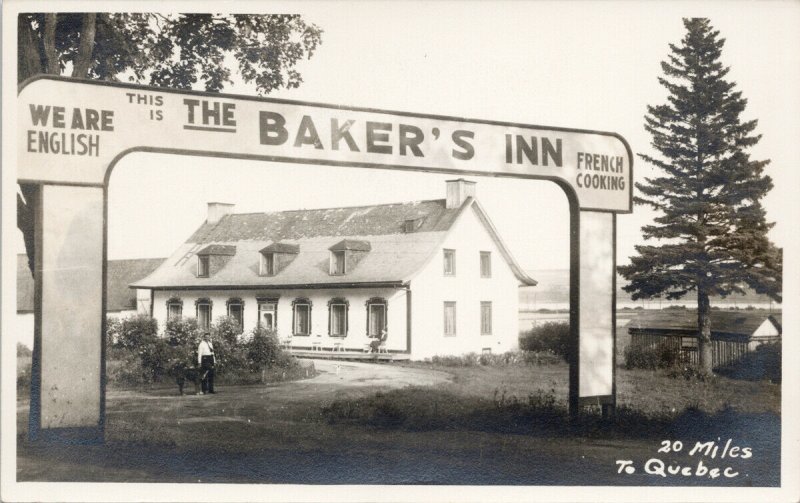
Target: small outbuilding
x=733, y=333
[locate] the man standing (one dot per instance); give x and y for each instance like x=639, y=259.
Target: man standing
x=206, y=360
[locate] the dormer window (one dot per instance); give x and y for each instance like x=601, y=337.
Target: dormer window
x=412, y=224
x=276, y=257
x=337, y=263
x=212, y=258
x=267, y=264
x=202, y=266
x=346, y=254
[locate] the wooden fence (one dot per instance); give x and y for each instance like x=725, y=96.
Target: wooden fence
x=723, y=352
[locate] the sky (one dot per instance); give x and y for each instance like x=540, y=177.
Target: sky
x=588, y=65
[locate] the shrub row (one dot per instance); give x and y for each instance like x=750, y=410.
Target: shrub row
x=143, y=357
x=651, y=357
x=496, y=359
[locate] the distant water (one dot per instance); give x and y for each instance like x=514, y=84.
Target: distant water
x=653, y=304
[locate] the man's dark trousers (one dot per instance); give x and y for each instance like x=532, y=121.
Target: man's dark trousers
x=207, y=370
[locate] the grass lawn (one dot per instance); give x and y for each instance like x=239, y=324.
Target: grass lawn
x=487, y=425
x=649, y=392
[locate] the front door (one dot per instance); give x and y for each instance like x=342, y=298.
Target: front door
x=267, y=315
x=377, y=319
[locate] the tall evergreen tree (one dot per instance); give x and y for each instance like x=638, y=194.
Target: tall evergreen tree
x=711, y=221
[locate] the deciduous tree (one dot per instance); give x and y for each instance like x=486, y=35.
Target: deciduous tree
x=180, y=51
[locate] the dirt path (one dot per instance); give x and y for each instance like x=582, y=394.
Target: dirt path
x=335, y=378
x=375, y=374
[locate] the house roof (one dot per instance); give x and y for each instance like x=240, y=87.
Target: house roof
x=684, y=321
x=120, y=274
x=394, y=254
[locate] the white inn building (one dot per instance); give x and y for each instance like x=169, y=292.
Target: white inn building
x=435, y=274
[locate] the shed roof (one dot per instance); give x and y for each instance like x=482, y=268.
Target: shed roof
x=121, y=273
x=281, y=248
x=351, y=244
x=684, y=321
x=218, y=250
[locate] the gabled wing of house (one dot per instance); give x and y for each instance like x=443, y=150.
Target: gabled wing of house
x=120, y=274
x=391, y=243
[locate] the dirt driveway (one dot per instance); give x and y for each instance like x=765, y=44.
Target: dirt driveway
x=336, y=379
x=373, y=374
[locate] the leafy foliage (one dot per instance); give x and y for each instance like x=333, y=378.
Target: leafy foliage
x=226, y=328
x=136, y=332
x=711, y=222
x=178, y=51
x=552, y=337
x=262, y=348
x=23, y=350
x=651, y=357
x=182, y=331
x=141, y=356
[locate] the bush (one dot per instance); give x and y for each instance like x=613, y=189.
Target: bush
x=467, y=360
x=137, y=332
x=541, y=358
x=126, y=371
x=227, y=329
x=651, y=358
x=23, y=350
x=138, y=356
x=552, y=336
x=509, y=358
x=182, y=332
x=262, y=348
x=23, y=377
x=689, y=373
x=763, y=363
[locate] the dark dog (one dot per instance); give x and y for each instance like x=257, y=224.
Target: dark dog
x=183, y=374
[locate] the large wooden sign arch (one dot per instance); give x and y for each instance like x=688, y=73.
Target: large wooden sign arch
x=73, y=132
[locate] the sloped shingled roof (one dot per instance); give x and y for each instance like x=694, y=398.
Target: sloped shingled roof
x=121, y=273
x=685, y=321
x=394, y=256
x=351, y=221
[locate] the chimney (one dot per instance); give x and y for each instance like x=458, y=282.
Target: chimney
x=458, y=191
x=218, y=210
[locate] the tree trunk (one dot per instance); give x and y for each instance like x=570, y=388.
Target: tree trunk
x=49, y=45
x=29, y=61
x=84, y=60
x=705, y=347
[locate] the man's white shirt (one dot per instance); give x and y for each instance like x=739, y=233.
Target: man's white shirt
x=204, y=349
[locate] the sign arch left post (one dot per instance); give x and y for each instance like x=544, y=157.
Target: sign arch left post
x=73, y=132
